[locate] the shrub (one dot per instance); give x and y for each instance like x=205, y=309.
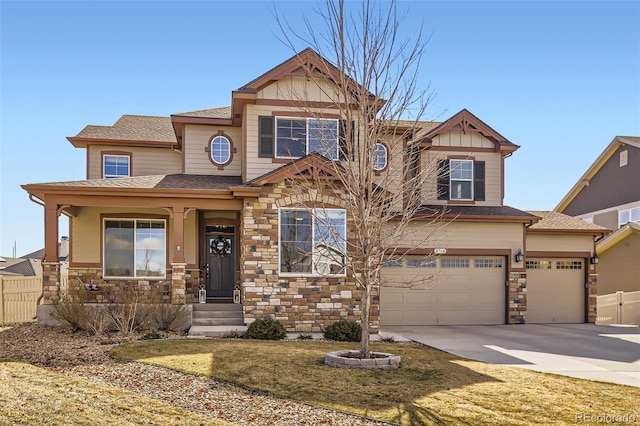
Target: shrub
x=343, y=331
x=72, y=310
x=266, y=329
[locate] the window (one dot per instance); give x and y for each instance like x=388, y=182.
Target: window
x=220, y=150
x=312, y=241
x=630, y=215
x=569, y=264
x=487, y=263
x=114, y=166
x=296, y=137
x=134, y=248
x=538, y=264
x=379, y=157
x=421, y=263
x=461, y=180
x=454, y=263
x=392, y=263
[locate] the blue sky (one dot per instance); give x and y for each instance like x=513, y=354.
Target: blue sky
x=561, y=79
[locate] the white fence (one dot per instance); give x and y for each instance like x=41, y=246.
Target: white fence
x=619, y=308
x=18, y=298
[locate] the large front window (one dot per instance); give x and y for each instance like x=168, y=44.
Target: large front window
x=461, y=179
x=312, y=241
x=134, y=248
x=296, y=137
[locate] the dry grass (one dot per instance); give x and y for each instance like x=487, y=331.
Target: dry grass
x=31, y=395
x=431, y=387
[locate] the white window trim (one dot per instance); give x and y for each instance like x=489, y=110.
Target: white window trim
x=630, y=212
x=211, y=153
x=386, y=156
x=451, y=180
x=104, y=251
x=337, y=153
x=104, y=166
x=313, y=230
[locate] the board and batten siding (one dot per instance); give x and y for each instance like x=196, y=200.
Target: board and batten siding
x=492, y=178
x=87, y=229
x=197, y=159
x=145, y=161
x=293, y=88
x=556, y=243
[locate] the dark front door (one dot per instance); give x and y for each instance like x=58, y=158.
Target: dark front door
x=220, y=279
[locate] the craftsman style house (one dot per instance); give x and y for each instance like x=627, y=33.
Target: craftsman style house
x=198, y=204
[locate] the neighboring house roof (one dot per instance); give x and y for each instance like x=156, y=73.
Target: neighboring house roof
x=618, y=236
x=38, y=254
x=19, y=266
x=220, y=112
x=129, y=128
x=558, y=223
x=633, y=141
x=483, y=213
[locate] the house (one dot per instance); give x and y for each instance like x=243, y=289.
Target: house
x=608, y=194
x=200, y=200
x=29, y=264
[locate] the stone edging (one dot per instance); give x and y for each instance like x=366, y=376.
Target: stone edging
x=339, y=360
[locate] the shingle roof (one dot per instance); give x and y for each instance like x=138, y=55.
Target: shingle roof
x=25, y=267
x=176, y=181
x=555, y=221
x=632, y=138
x=220, y=112
x=133, y=128
x=477, y=211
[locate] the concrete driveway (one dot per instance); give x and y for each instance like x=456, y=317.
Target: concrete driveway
x=587, y=351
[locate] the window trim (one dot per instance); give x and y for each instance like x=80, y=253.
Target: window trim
x=104, y=154
x=232, y=149
x=451, y=179
x=306, y=119
x=386, y=157
x=630, y=213
x=312, y=210
x=134, y=218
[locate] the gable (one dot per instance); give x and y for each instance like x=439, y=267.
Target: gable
x=607, y=183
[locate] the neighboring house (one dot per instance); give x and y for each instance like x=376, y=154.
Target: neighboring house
x=30, y=264
x=200, y=200
x=608, y=194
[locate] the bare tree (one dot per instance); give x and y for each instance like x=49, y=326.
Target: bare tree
x=373, y=168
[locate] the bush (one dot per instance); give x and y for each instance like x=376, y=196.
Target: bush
x=343, y=331
x=266, y=329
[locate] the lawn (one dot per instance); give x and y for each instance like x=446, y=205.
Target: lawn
x=31, y=395
x=431, y=387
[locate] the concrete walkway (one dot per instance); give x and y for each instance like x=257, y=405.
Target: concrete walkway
x=603, y=353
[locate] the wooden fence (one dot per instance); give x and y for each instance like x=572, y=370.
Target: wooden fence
x=619, y=308
x=18, y=298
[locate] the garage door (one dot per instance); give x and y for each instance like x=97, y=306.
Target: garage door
x=555, y=290
x=443, y=291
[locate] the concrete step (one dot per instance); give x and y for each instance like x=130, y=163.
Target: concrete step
x=201, y=307
x=216, y=331
x=217, y=321
x=217, y=314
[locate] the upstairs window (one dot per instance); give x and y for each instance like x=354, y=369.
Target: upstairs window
x=220, y=150
x=626, y=216
x=114, y=166
x=461, y=180
x=379, y=157
x=286, y=137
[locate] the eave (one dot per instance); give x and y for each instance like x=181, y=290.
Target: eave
x=80, y=142
x=617, y=236
x=568, y=231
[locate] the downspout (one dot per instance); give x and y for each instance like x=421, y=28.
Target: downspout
x=32, y=198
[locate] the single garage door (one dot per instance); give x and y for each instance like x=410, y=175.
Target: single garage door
x=443, y=291
x=555, y=291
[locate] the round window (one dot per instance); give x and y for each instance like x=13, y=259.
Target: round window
x=379, y=157
x=220, y=150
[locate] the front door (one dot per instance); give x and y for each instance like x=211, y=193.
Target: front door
x=220, y=278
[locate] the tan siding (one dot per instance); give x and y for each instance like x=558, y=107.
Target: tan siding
x=145, y=161
x=619, y=268
x=467, y=235
x=543, y=242
x=191, y=238
x=460, y=139
x=299, y=88
x=197, y=139
x=493, y=175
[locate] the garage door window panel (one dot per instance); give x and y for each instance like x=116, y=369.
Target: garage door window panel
x=454, y=263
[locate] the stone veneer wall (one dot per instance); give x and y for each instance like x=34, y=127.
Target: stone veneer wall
x=592, y=298
x=517, y=298
x=302, y=304
x=50, y=282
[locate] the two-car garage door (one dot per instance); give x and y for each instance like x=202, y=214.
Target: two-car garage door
x=443, y=291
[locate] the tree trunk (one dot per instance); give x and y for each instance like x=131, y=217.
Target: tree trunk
x=365, y=351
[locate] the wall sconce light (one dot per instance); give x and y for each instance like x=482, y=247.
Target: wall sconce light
x=595, y=258
x=518, y=256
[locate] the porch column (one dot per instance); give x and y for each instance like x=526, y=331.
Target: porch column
x=50, y=262
x=178, y=263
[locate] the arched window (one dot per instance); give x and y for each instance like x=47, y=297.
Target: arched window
x=379, y=157
x=220, y=150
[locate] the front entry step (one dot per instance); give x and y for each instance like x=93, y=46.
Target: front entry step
x=217, y=320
